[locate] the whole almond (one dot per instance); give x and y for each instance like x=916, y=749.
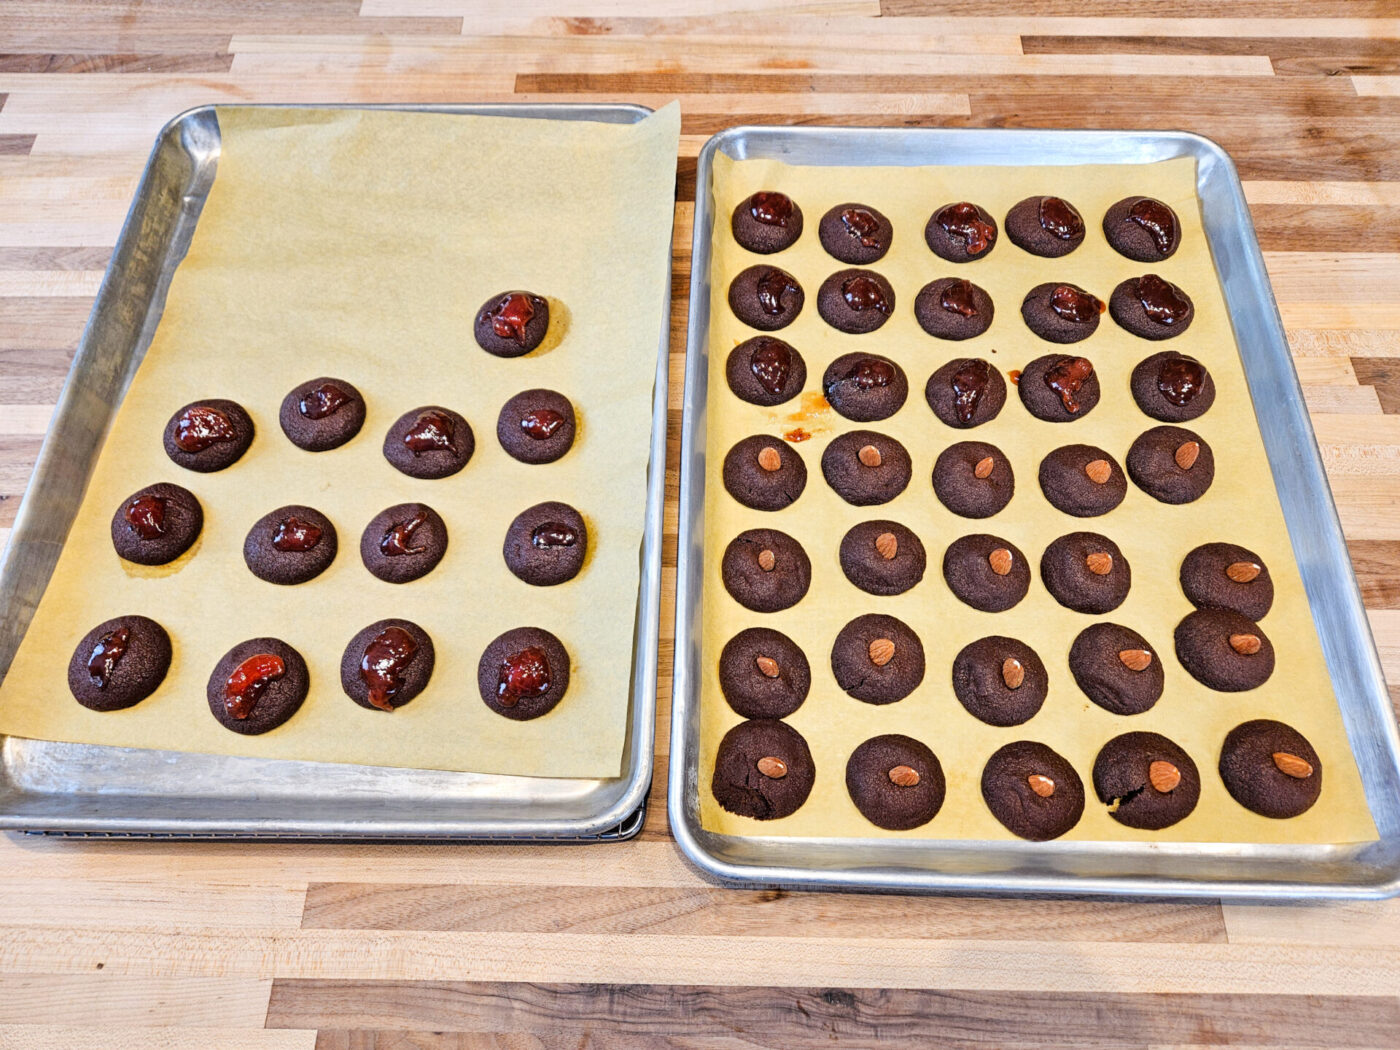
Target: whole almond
x=1243, y=571
x=1100, y=563
x=768, y=667
x=1245, y=644
x=984, y=467
x=869, y=455
x=1164, y=776
x=769, y=458
x=1186, y=454
x=887, y=543
x=881, y=651
x=1000, y=560
x=766, y=560
x=1012, y=673
x=904, y=776
x=1099, y=471
x=772, y=768
x=1135, y=659
x=1298, y=768
x=1041, y=785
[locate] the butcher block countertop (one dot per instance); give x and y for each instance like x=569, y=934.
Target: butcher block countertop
x=108, y=944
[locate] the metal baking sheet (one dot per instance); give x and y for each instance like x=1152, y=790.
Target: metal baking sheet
x=84, y=789
x=1368, y=870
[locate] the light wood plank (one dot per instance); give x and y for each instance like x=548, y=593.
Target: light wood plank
x=82, y=996
x=1384, y=87
x=136, y=1037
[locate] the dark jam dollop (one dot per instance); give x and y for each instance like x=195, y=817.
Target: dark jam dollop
x=1161, y=300
x=771, y=362
x=511, y=314
x=773, y=285
x=964, y=221
x=1157, y=219
x=969, y=384
x=862, y=225
x=862, y=293
x=200, y=426
x=295, y=536
x=1180, y=380
x=552, y=535
x=398, y=539
x=771, y=208
x=145, y=516
x=870, y=372
x=1075, y=305
x=541, y=423
x=1067, y=378
x=957, y=299
x=382, y=667
x=322, y=401
x=521, y=675
x=1058, y=216
x=106, y=654
x=249, y=681
x=431, y=432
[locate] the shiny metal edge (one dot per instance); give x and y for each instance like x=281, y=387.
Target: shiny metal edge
x=93, y=791
x=1196, y=870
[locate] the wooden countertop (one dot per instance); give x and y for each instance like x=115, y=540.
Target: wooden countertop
x=117, y=945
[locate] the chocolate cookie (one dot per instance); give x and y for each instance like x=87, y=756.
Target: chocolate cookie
x=546, y=544
x=387, y=664
x=1142, y=228
x=1223, y=650
x=966, y=392
x=1270, y=768
x=766, y=298
x=877, y=659
x=1046, y=226
x=119, y=663
x=952, y=308
x=536, y=426
x=429, y=442
x=511, y=324
x=523, y=673
x=765, y=570
x=763, y=770
x=1059, y=388
x=961, y=232
x=1171, y=464
x=764, y=473
x=322, y=414
x=1082, y=480
x=1032, y=790
x=765, y=371
x=763, y=674
x=895, y=781
x=766, y=222
x=1151, y=308
x=856, y=234
x=1086, y=572
x=865, y=387
x=1001, y=681
x=1116, y=668
x=865, y=468
x=855, y=301
x=973, y=479
x=1227, y=576
x=1147, y=780
x=290, y=545
x=1061, y=312
x=1172, y=387
x=986, y=572
x=403, y=542
x=882, y=557
x=257, y=685
x=210, y=435
x=157, y=524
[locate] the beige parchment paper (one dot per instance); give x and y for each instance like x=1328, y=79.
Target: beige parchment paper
x=1241, y=507
x=360, y=244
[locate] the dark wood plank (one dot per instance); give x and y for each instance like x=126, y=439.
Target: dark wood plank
x=1326, y=228
x=1291, y=56
x=213, y=62
x=1377, y=565
x=16, y=145
x=1383, y=373
x=56, y=258
x=591, y=1037
x=1139, y=9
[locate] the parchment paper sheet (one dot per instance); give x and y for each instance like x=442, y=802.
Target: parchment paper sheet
x=360, y=244
x=1241, y=506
